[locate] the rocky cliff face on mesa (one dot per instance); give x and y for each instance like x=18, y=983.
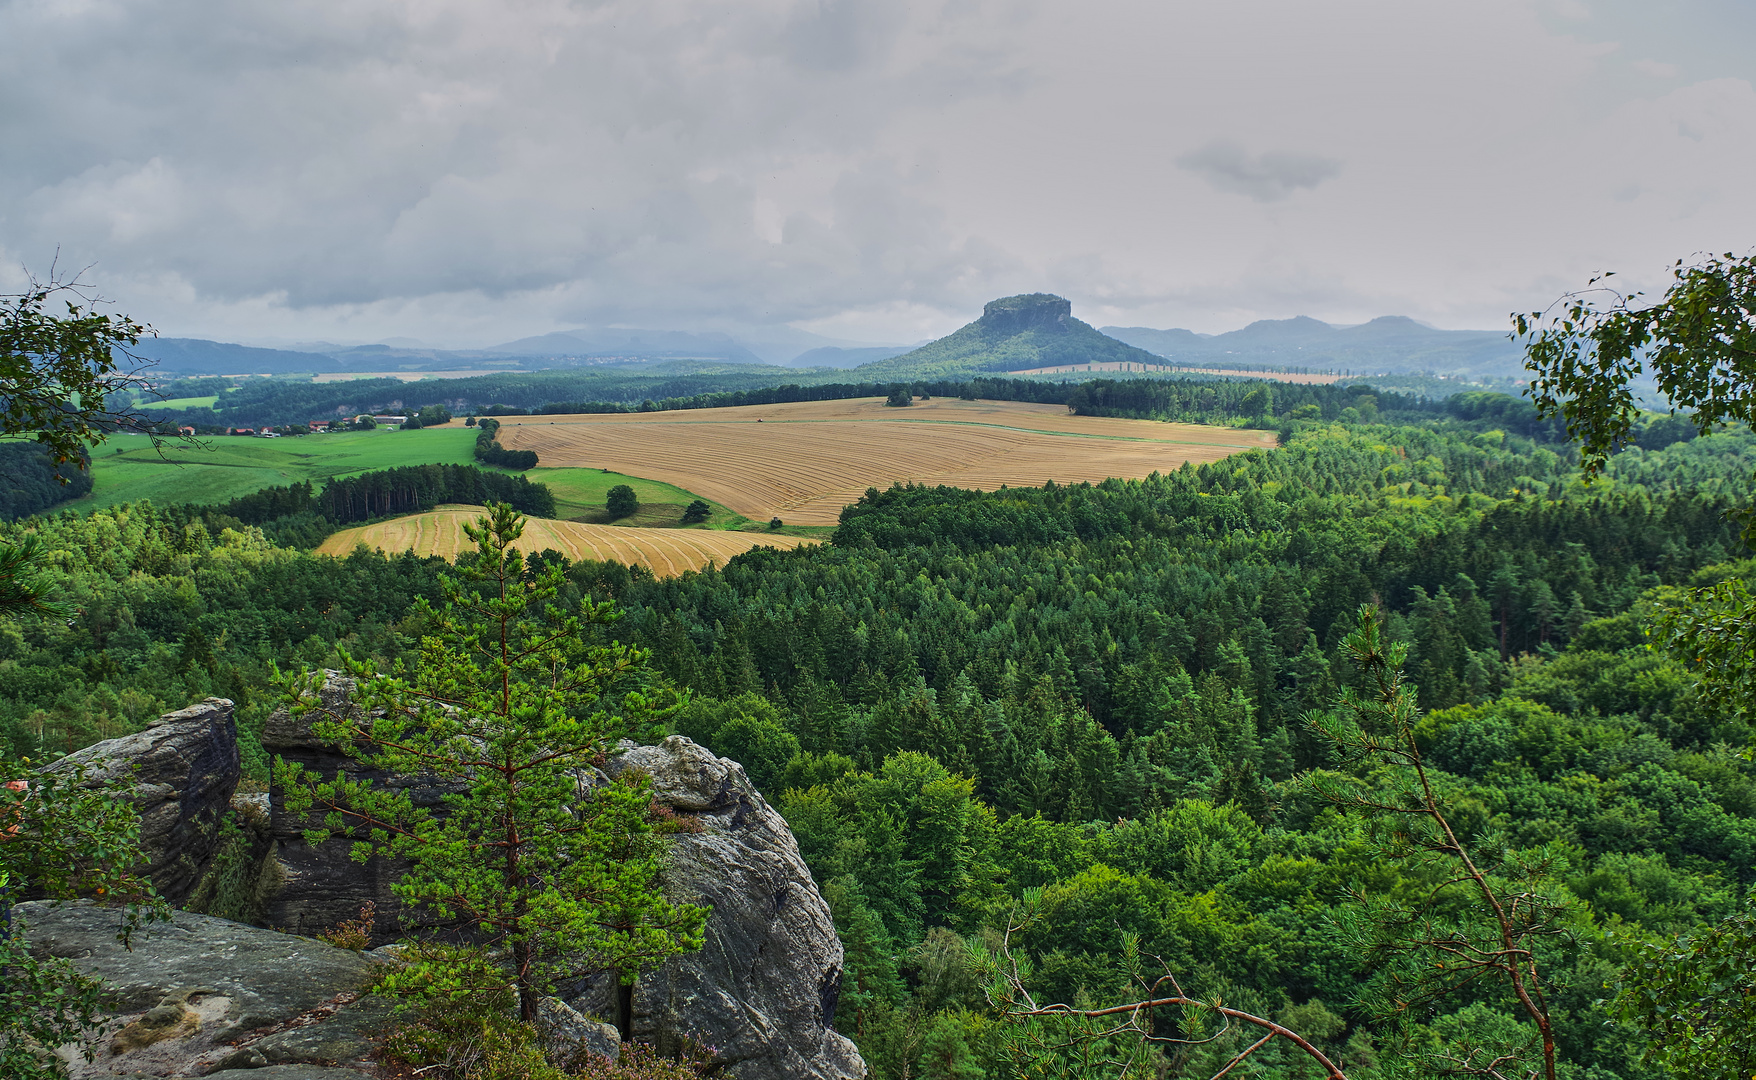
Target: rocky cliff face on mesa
x=1032, y=311
x=763, y=991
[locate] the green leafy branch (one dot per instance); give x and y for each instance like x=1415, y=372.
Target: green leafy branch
x=1473, y=923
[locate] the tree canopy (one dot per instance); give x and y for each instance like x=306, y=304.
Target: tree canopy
x=1698, y=342
x=60, y=376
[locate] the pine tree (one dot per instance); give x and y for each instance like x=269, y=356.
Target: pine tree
x=510, y=707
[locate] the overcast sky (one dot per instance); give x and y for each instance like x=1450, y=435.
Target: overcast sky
x=465, y=171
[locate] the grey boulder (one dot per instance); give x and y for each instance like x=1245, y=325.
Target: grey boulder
x=567, y=1036
x=320, y=885
x=183, y=770
x=762, y=992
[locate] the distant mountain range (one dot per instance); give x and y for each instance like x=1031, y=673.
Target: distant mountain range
x=1015, y=334
x=1037, y=334
x=1392, y=344
x=781, y=346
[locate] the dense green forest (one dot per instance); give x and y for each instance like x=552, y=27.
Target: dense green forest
x=1092, y=697
x=31, y=482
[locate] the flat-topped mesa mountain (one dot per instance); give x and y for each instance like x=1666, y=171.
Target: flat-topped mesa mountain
x=1015, y=333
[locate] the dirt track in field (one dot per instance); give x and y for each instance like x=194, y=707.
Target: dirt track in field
x=667, y=552
x=804, y=461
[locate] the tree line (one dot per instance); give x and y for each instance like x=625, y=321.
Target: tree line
x=31, y=482
x=490, y=452
x=311, y=513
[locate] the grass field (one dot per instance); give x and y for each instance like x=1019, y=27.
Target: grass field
x=178, y=402
x=580, y=495
x=128, y=469
x=804, y=461
x=667, y=551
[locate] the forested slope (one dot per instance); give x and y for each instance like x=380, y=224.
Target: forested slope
x=1097, y=692
x=31, y=482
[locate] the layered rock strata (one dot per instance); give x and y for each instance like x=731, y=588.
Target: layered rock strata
x=183, y=770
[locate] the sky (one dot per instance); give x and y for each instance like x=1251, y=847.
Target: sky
x=463, y=173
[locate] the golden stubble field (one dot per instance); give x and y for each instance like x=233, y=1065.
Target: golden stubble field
x=667, y=552
x=804, y=461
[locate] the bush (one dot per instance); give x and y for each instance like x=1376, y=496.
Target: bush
x=696, y=511
x=775, y=522
x=621, y=501
x=474, y=1038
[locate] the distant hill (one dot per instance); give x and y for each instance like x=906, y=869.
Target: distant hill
x=1014, y=334
x=831, y=356
x=194, y=356
x=564, y=348
x=1391, y=344
x=629, y=344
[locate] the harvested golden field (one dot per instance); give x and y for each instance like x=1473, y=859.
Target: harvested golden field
x=667, y=552
x=804, y=461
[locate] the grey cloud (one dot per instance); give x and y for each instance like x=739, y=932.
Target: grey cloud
x=613, y=153
x=325, y=168
x=1268, y=177
x=831, y=34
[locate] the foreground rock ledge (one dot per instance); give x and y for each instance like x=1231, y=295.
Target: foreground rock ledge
x=199, y=995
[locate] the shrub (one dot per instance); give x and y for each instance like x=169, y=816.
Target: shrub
x=355, y=934
x=621, y=501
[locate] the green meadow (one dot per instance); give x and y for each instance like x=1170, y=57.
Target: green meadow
x=580, y=495
x=220, y=468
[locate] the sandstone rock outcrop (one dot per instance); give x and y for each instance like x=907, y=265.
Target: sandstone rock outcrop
x=203, y=994
x=184, y=768
x=322, y=886
x=763, y=990
x=199, y=994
